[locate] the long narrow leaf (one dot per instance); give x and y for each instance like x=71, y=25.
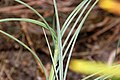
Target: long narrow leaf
x=73, y=27
x=80, y=26
x=32, y=52
x=59, y=42
x=56, y=53
x=41, y=24
x=68, y=46
x=76, y=33
x=54, y=64
x=25, y=20
x=100, y=77
x=35, y=11
x=72, y=16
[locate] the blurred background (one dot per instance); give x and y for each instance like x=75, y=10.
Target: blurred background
x=97, y=40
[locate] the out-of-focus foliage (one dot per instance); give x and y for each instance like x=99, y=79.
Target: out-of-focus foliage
x=90, y=67
x=112, y=6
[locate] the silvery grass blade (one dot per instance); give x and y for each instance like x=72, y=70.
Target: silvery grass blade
x=55, y=57
x=66, y=40
x=76, y=35
x=41, y=24
x=92, y=75
x=72, y=16
x=110, y=75
x=54, y=64
x=37, y=13
x=76, y=22
x=100, y=78
x=105, y=77
x=25, y=46
x=50, y=29
x=111, y=60
x=52, y=77
x=59, y=42
x=99, y=72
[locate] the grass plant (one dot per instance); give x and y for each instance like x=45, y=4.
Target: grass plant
x=61, y=49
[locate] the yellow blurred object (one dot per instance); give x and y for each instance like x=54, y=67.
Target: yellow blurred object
x=88, y=67
x=112, y=6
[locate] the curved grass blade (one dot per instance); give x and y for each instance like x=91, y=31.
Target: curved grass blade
x=71, y=39
x=25, y=20
x=80, y=26
x=104, y=77
x=32, y=52
x=47, y=25
x=100, y=78
x=90, y=76
x=54, y=64
x=99, y=73
x=72, y=16
x=73, y=27
x=29, y=20
x=37, y=13
x=76, y=33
